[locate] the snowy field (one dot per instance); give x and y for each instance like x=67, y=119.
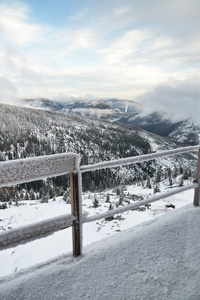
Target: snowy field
x=41, y=250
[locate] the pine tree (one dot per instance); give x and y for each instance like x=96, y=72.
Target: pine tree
x=110, y=206
x=95, y=203
x=66, y=197
x=44, y=199
x=107, y=198
x=121, y=196
x=148, y=183
x=158, y=176
x=118, y=191
x=32, y=195
x=156, y=189
x=181, y=182
x=26, y=195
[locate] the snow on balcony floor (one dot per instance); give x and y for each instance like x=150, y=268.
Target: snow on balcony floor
x=158, y=259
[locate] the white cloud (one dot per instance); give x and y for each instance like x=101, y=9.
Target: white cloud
x=15, y=26
x=80, y=15
x=176, y=99
x=160, y=43
x=108, y=48
x=121, y=11
x=74, y=40
x=147, y=48
x=124, y=46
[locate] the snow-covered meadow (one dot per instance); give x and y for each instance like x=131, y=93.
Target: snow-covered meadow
x=41, y=250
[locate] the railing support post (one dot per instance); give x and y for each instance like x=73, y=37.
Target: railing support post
x=197, y=190
x=76, y=209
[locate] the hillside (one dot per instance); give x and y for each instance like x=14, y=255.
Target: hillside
x=125, y=111
x=184, y=131
x=26, y=132
x=158, y=259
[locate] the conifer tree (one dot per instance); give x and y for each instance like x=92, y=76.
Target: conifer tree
x=110, y=206
x=107, y=198
x=95, y=203
x=148, y=183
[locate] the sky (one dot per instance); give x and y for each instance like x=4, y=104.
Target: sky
x=142, y=50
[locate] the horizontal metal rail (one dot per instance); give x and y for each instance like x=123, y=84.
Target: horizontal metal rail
x=136, y=159
x=28, y=233
x=137, y=204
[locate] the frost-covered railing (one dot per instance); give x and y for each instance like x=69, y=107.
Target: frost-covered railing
x=139, y=159
x=34, y=231
x=19, y=171
x=136, y=159
x=35, y=168
x=24, y=170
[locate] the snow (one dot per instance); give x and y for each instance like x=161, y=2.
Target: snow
x=137, y=204
x=158, y=259
x=38, y=251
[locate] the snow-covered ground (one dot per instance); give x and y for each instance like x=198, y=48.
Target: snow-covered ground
x=23, y=256
x=158, y=259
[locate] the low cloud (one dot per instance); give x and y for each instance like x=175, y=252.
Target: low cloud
x=175, y=100
x=8, y=92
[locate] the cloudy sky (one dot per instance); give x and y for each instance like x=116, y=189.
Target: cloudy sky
x=143, y=50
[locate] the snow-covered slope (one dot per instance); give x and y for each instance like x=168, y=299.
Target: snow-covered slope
x=100, y=109
x=28, y=132
x=158, y=259
x=154, y=122
x=125, y=111
x=186, y=132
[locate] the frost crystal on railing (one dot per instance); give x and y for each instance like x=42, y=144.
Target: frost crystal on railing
x=29, y=169
x=136, y=159
x=34, y=231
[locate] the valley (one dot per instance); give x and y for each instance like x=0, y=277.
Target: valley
x=124, y=111
x=28, y=132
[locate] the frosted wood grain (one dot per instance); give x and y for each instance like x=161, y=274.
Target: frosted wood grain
x=29, y=169
x=28, y=233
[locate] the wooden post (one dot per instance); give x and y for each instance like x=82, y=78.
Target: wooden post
x=197, y=190
x=75, y=209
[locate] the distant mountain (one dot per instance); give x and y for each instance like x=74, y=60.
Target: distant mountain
x=124, y=111
x=91, y=108
x=186, y=132
x=153, y=123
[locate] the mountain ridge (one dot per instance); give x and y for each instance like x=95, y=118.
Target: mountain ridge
x=124, y=111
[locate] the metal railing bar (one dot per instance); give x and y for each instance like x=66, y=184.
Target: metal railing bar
x=136, y=159
x=137, y=204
